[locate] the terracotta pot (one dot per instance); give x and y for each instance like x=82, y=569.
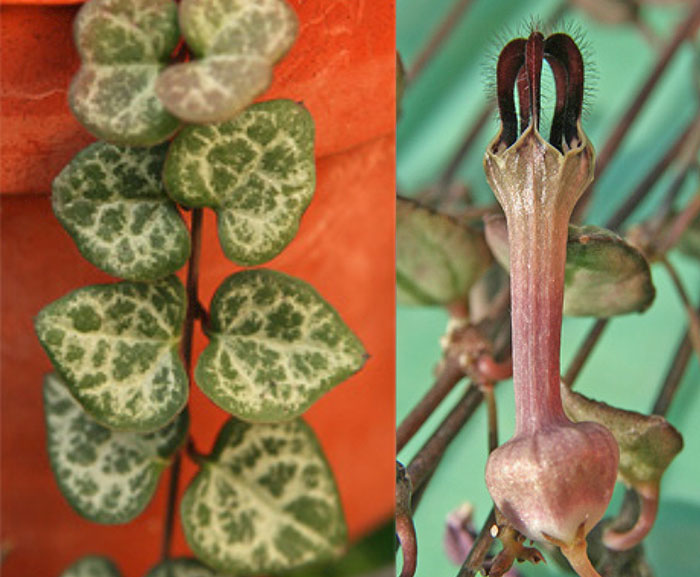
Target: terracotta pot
x=342, y=67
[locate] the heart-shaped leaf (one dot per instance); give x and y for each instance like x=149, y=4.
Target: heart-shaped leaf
x=116, y=346
x=276, y=347
x=107, y=476
x=124, y=45
x=181, y=567
x=92, y=566
x=648, y=443
x=605, y=276
x=438, y=260
x=264, y=501
x=237, y=43
x=257, y=171
x=111, y=200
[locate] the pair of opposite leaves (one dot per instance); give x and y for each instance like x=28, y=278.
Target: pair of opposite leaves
x=126, y=92
x=263, y=501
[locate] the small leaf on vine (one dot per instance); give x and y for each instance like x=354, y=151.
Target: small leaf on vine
x=237, y=43
x=276, y=347
x=257, y=172
x=264, y=501
x=107, y=476
x=116, y=346
x=605, y=276
x=92, y=566
x=124, y=45
x=438, y=260
x=112, y=202
x=648, y=443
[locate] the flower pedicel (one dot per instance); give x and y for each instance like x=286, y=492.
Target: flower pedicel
x=553, y=480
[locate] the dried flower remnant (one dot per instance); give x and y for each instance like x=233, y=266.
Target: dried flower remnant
x=553, y=480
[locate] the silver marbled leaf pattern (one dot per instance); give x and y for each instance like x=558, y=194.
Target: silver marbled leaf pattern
x=236, y=42
x=92, y=566
x=124, y=45
x=256, y=171
x=264, y=501
x=107, y=476
x=116, y=346
x=276, y=346
x=111, y=200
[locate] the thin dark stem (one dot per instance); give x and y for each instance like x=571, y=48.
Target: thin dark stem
x=430, y=454
x=475, y=560
x=675, y=373
x=441, y=34
x=642, y=190
x=448, y=175
x=584, y=352
x=680, y=224
x=192, y=286
x=693, y=316
x=615, y=139
x=449, y=376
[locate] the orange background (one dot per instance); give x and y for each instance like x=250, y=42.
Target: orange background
x=342, y=68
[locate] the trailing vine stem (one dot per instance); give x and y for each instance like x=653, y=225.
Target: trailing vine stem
x=193, y=312
x=477, y=555
x=449, y=376
x=642, y=190
x=441, y=34
x=682, y=32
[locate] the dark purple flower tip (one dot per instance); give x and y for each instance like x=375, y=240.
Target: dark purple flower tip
x=520, y=67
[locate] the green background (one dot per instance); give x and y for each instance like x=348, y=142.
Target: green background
x=630, y=361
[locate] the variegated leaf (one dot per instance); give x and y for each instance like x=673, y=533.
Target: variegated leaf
x=237, y=42
x=116, y=346
x=437, y=259
x=181, y=567
x=264, y=501
x=112, y=202
x=124, y=45
x=92, y=566
x=276, y=347
x=605, y=276
x=256, y=171
x=107, y=476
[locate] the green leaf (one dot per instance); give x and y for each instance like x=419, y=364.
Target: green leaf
x=276, y=347
x=107, y=476
x=181, y=567
x=648, y=443
x=372, y=556
x=264, y=501
x=605, y=276
x=237, y=43
x=116, y=346
x=124, y=45
x=438, y=260
x=111, y=200
x=92, y=566
x=257, y=171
